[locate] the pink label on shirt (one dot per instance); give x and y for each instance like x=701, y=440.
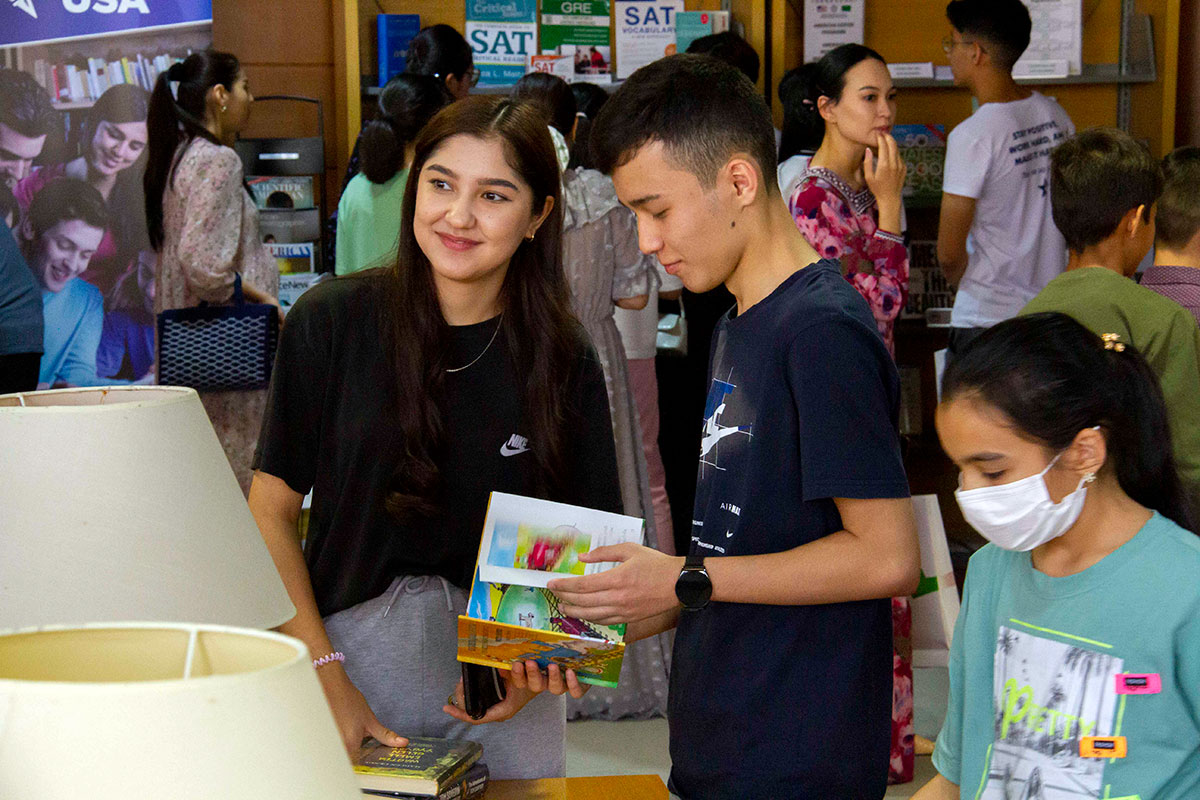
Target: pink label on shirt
x=1139, y=683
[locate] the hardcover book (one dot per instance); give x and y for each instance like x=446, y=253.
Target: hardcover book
x=470, y=786
x=512, y=616
x=426, y=767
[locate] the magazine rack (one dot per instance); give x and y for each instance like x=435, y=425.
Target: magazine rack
x=290, y=157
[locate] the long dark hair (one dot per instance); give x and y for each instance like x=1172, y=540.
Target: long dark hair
x=538, y=328
x=406, y=103
x=180, y=118
x=553, y=95
x=439, y=50
x=801, y=88
x=120, y=104
x=1053, y=378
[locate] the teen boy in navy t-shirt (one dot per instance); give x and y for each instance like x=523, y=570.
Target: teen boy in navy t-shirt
x=781, y=682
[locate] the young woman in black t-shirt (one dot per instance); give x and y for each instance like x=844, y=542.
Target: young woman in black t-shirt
x=401, y=398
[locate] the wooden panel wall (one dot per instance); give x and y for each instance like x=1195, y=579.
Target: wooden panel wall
x=288, y=48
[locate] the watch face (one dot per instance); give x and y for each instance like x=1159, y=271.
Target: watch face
x=693, y=588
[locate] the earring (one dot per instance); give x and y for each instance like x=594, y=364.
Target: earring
x=224, y=109
x=529, y=238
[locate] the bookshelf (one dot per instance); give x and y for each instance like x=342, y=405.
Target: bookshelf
x=174, y=43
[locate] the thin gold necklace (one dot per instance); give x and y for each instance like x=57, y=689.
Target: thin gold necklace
x=485, y=349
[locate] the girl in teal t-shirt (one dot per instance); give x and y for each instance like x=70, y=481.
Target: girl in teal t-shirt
x=368, y=215
x=1075, y=667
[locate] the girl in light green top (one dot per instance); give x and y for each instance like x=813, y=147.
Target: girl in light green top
x=368, y=218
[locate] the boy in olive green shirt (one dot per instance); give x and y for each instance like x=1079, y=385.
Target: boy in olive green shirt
x=1103, y=187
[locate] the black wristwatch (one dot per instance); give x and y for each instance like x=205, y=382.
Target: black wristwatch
x=693, y=587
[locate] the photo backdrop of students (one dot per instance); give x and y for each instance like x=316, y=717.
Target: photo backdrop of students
x=75, y=83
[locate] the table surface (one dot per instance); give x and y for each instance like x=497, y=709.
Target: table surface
x=618, y=787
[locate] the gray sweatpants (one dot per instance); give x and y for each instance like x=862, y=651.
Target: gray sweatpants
x=400, y=652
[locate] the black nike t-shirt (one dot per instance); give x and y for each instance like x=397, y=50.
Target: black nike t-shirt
x=330, y=426
x=789, y=701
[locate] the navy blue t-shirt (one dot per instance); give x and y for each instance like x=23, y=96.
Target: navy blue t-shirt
x=789, y=701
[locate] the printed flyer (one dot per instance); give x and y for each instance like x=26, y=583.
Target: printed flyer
x=579, y=29
x=645, y=33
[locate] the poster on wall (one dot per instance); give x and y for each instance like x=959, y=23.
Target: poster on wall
x=502, y=35
x=580, y=31
x=75, y=84
x=829, y=25
x=645, y=33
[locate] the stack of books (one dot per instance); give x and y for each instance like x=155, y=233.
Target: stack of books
x=82, y=82
x=428, y=769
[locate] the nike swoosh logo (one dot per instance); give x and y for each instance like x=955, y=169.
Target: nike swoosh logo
x=728, y=534
x=505, y=450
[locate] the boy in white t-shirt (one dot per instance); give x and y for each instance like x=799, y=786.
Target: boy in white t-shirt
x=996, y=238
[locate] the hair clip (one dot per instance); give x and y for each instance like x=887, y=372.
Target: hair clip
x=1112, y=341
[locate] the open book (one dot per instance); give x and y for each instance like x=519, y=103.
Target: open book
x=511, y=616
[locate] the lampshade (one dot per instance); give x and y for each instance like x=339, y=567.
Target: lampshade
x=119, y=504
x=158, y=710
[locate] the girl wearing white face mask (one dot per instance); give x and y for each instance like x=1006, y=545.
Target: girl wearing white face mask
x=1075, y=667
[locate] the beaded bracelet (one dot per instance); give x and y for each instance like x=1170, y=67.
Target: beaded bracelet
x=329, y=658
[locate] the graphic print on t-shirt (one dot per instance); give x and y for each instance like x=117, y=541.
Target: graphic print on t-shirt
x=1047, y=696
x=714, y=431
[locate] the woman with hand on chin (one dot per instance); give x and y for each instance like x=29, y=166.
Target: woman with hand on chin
x=401, y=398
x=847, y=203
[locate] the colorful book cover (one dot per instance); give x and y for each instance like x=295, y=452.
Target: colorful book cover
x=645, y=32
x=293, y=257
x=579, y=29
x=426, y=767
x=511, y=614
x=502, y=35
x=690, y=26
x=923, y=148
x=395, y=31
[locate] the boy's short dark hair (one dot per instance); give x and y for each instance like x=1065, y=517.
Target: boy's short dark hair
x=1096, y=177
x=66, y=199
x=1003, y=25
x=1178, y=219
x=701, y=109
x=727, y=46
x=24, y=105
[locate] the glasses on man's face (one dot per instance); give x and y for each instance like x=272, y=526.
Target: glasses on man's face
x=472, y=76
x=948, y=43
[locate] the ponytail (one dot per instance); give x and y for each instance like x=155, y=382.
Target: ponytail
x=406, y=103
x=1052, y=378
x=801, y=89
x=177, y=111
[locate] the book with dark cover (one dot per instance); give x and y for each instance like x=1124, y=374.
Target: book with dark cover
x=426, y=767
x=470, y=786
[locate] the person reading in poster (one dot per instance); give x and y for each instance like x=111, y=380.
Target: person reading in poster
x=26, y=119
x=59, y=235
x=111, y=158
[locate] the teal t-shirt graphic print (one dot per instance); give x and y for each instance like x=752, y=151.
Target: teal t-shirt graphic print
x=1048, y=694
x=1034, y=666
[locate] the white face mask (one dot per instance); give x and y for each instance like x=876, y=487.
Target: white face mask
x=1020, y=515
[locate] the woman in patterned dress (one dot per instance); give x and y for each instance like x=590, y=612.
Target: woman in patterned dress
x=202, y=221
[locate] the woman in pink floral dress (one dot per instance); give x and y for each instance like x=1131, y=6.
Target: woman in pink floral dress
x=848, y=207
x=202, y=221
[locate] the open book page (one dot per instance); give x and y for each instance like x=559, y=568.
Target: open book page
x=530, y=542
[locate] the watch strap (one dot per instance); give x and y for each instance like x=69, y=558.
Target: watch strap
x=693, y=561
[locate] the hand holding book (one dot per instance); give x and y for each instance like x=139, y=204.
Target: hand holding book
x=642, y=585
x=522, y=684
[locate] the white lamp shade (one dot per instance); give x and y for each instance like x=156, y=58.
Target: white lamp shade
x=103, y=712
x=119, y=504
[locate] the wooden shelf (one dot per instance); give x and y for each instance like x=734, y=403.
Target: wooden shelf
x=1093, y=75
